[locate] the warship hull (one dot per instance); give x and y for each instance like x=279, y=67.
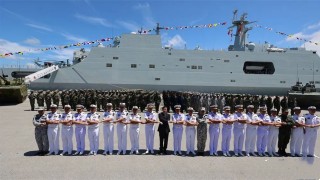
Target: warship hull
x=140, y=62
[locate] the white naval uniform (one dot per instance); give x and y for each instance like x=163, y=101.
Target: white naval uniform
x=67, y=133
x=53, y=132
x=251, y=133
x=226, y=133
x=214, y=132
x=297, y=136
x=262, y=133
x=150, y=130
x=190, y=133
x=122, y=131
x=273, y=135
x=80, y=131
x=238, y=132
x=134, y=132
x=177, y=130
x=108, y=131
x=93, y=131
x=310, y=137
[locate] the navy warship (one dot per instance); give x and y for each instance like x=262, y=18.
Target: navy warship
x=138, y=61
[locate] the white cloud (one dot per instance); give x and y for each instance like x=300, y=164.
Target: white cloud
x=129, y=25
x=12, y=47
x=41, y=27
x=141, y=6
x=314, y=37
x=94, y=20
x=314, y=26
x=146, y=12
x=74, y=38
x=32, y=41
x=61, y=55
x=177, y=42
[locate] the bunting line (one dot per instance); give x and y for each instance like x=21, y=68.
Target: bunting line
x=288, y=35
x=183, y=27
x=55, y=47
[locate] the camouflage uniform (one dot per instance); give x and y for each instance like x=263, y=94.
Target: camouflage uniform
x=32, y=98
x=40, y=99
x=56, y=98
x=48, y=100
x=41, y=133
x=201, y=133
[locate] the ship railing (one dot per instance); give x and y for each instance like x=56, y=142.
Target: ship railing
x=19, y=66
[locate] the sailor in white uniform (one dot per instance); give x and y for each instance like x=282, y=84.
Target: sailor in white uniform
x=53, y=120
x=251, y=131
x=238, y=129
x=191, y=123
x=263, y=131
x=310, y=137
x=93, y=120
x=214, y=120
x=67, y=130
x=273, y=133
x=122, y=121
x=108, y=129
x=227, y=120
x=178, y=121
x=297, y=133
x=150, y=118
x=135, y=119
x=80, y=122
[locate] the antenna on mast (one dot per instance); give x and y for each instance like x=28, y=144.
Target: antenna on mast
x=298, y=72
x=158, y=28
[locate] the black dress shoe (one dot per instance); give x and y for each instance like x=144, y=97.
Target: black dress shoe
x=39, y=153
x=165, y=152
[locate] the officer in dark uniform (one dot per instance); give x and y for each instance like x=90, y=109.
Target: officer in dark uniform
x=284, y=132
x=164, y=130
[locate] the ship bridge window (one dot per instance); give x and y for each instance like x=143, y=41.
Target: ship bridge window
x=152, y=66
x=182, y=59
x=193, y=67
x=226, y=60
x=109, y=65
x=115, y=58
x=199, y=67
x=251, y=67
x=133, y=65
x=157, y=79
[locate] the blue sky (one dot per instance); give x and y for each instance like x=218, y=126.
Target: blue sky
x=32, y=24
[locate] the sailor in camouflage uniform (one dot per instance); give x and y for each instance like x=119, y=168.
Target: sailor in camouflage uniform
x=201, y=131
x=32, y=98
x=41, y=128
